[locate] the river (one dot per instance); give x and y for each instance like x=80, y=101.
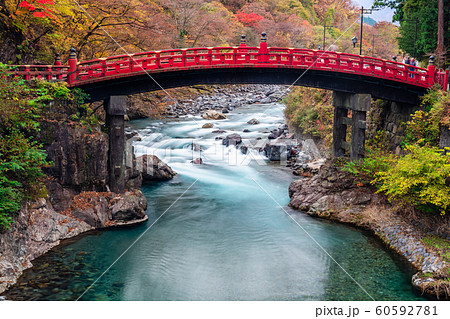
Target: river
x=218, y=234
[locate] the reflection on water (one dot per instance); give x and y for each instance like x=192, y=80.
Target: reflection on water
x=225, y=239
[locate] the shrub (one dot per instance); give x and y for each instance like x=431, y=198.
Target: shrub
x=420, y=178
x=21, y=157
x=422, y=129
x=377, y=159
x=311, y=110
x=424, y=126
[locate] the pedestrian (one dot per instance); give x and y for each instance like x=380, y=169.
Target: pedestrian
x=412, y=68
x=394, y=58
x=407, y=60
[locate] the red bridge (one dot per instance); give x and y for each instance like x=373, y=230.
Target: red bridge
x=354, y=79
x=149, y=71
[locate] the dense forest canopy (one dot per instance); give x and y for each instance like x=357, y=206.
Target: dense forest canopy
x=34, y=31
x=423, y=15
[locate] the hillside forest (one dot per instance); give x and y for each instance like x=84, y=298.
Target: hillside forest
x=34, y=31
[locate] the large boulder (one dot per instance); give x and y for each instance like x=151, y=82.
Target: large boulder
x=128, y=206
x=153, y=169
x=232, y=139
x=213, y=115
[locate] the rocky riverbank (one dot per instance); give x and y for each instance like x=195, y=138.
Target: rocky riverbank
x=39, y=228
x=198, y=99
x=334, y=195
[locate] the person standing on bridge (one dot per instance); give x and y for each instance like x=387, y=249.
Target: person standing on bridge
x=407, y=60
x=413, y=64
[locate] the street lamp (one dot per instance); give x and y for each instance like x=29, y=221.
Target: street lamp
x=364, y=11
x=354, y=41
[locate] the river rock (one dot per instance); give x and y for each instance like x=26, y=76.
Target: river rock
x=208, y=125
x=197, y=161
x=213, y=115
x=232, y=139
x=219, y=131
x=253, y=122
x=273, y=135
x=277, y=150
x=128, y=206
x=310, y=148
x=154, y=169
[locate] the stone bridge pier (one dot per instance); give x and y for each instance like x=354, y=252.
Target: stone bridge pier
x=116, y=109
x=358, y=105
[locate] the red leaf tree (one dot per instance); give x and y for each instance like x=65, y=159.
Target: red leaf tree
x=248, y=19
x=39, y=8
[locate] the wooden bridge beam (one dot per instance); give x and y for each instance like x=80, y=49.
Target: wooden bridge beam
x=116, y=109
x=359, y=104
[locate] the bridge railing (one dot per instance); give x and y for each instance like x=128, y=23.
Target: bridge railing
x=40, y=72
x=224, y=57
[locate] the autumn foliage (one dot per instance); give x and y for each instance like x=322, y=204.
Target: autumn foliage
x=248, y=19
x=38, y=8
x=33, y=31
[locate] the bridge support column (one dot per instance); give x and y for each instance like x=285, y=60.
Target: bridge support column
x=116, y=107
x=359, y=104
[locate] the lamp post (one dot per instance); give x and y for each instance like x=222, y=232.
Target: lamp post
x=364, y=11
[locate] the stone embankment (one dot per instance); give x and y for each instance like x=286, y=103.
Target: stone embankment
x=334, y=195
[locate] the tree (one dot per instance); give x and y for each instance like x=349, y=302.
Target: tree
x=440, y=50
x=201, y=22
x=426, y=14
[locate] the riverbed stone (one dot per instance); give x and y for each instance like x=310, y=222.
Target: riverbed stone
x=253, y=122
x=232, y=139
x=154, y=169
x=213, y=115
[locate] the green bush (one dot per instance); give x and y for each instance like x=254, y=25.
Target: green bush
x=420, y=178
x=23, y=107
x=311, y=110
x=424, y=126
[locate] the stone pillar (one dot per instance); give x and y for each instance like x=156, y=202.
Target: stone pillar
x=115, y=108
x=444, y=139
x=359, y=104
x=339, y=131
x=358, y=135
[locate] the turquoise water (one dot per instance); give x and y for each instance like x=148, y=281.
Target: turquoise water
x=224, y=238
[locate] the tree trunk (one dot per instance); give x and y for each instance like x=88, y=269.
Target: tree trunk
x=440, y=50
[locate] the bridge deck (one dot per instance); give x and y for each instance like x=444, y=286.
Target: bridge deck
x=264, y=58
